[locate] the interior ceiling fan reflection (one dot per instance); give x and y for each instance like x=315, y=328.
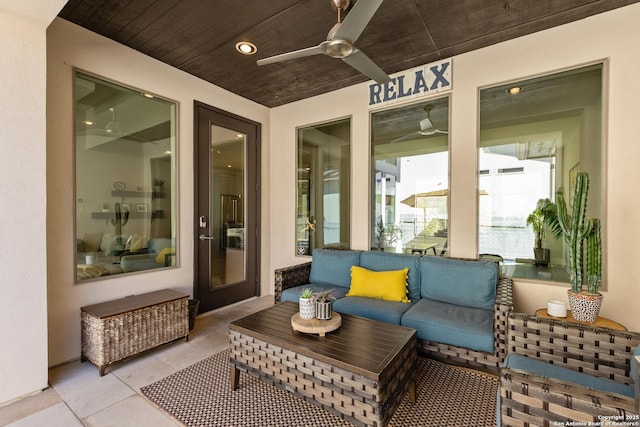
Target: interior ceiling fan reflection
x=112, y=128
x=340, y=40
x=426, y=128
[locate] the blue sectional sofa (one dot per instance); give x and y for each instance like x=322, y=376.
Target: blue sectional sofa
x=458, y=307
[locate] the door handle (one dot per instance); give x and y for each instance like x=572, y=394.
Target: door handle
x=203, y=237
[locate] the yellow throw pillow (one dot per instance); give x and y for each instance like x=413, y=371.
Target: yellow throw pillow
x=384, y=285
x=161, y=255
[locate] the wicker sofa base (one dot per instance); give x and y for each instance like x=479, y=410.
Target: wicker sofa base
x=117, y=330
x=355, y=398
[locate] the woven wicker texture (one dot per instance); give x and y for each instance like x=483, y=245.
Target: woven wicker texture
x=538, y=401
x=361, y=400
x=110, y=339
x=297, y=275
x=200, y=396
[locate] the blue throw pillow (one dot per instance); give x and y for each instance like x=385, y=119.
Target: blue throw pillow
x=333, y=267
x=460, y=282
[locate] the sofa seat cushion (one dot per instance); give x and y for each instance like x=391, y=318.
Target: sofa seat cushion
x=333, y=267
x=385, y=261
x=451, y=324
x=460, y=282
x=547, y=370
x=293, y=294
x=371, y=308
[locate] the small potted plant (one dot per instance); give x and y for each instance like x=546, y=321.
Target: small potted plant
x=324, y=301
x=307, y=304
x=543, y=216
x=387, y=236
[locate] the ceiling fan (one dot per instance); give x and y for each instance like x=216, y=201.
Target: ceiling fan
x=426, y=128
x=339, y=43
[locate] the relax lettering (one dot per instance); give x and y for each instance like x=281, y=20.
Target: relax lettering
x=399, y=88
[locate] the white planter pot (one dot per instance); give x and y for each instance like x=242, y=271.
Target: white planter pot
x=307, y=308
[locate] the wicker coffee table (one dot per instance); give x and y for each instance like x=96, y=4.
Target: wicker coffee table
x=359, y=372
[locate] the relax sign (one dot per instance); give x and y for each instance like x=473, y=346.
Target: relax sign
x=414, y=83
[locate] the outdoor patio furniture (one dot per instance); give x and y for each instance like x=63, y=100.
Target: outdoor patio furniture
x=558, y=372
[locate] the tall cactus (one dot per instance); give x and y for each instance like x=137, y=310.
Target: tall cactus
x=594, y=257
x=576, y=229
x=120, y=220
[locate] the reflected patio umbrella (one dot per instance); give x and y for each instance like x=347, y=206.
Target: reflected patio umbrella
x=426, y=199
x=417, y=200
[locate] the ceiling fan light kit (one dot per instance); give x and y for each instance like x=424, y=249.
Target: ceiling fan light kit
x=340, y=40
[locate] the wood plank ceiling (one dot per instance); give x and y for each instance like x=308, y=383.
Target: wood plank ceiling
x=199, y=36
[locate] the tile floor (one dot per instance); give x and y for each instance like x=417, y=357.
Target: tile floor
x=78, y=396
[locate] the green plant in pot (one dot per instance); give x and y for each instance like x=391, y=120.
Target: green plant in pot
x=542, y=217
x=324, y=300
x=578, y=230
x=387, y=235
x=307, y=304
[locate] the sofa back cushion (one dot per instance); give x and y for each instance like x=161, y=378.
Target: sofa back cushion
x=333, y=267
x=385, y=261
x=466, y=283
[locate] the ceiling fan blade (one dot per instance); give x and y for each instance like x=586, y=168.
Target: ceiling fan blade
x=366, y=66
x=357, y=19
x=413, y=135
x=315, y=50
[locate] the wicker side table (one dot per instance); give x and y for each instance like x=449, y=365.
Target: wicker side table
x=115, y=330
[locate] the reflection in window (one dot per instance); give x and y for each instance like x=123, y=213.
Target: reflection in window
x=125, y=144
x=531, y=144
x=410, y=174
x=322, y=213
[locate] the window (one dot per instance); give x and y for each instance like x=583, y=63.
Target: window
x=410, y=178
x=125, y=143
x=322, y=214
x=531, y=145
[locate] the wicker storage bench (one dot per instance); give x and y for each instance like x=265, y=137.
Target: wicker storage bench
x=115, y=330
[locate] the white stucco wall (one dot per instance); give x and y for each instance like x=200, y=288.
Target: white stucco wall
x=23, y=262
x=68, y=46
x=605, y=36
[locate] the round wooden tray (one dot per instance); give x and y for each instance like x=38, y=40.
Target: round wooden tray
x=316, y=326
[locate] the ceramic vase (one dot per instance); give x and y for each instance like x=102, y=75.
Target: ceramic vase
x=585, y=306
x=323, y=310
x=307, y=308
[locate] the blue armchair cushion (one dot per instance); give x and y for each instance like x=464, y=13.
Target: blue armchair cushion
x=466, y=283
x=634, y=374
x=333, y=267
x=547, y=370
x=372, y=308
x=451, y=324
x=380, y=261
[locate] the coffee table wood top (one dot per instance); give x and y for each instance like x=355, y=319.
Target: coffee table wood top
x=360, y=345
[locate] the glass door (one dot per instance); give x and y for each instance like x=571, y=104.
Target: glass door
x=226, y=252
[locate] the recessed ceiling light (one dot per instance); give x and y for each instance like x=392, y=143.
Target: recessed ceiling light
x=88, y=122
x=514, y=90
x=148, y=95
x=246, y=48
